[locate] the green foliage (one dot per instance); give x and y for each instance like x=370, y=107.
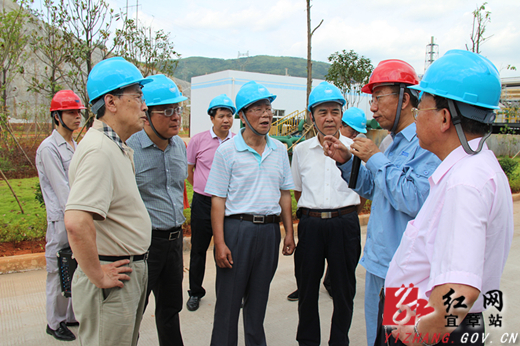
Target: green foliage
x=149, y=52
x=509, y=139
x=349, y=72
x=509, y=166
x=38, y=195
x=13, y=39
x=15, y=226
x=481, y=18
x=297, y=67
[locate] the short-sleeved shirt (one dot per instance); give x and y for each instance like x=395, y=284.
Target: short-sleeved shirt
x=52, y=161
x=250, y=183
x=201, y=150
x=319, y=179
x=102, y=182
x=464, y=230
x=397, y=184
x=160, y=177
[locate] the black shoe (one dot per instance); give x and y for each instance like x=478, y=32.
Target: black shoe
x=62, y=333
x=72, y=324
x=193, y=303
x=293, y=297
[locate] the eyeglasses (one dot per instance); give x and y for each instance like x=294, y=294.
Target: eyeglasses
x=375, y=99
x=139, y=97
x=170, y=111
x=259, y=111
x=415, y=111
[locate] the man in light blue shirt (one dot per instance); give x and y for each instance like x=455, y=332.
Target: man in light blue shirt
x=396, y=181
x=160, y=170
x=249, y=182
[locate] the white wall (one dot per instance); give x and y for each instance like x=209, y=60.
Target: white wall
x=290, y=91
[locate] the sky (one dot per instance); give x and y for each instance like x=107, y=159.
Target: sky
x=376, y=29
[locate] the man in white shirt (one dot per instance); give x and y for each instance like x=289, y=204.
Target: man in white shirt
x=329, y=226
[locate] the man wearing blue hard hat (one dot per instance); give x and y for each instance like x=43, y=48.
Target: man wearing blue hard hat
x=456, y=248
x=107, y=222
x=160, y=170
x=250, y=182
x=354, y=122
x=396, y=181
x=201, y=150
x=329, y=225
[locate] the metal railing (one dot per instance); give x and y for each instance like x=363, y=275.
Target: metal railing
x=287, y=125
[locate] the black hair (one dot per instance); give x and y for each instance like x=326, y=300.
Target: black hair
x=414, y=101
x=56, y=121
x=214, y=110
x=469, y=126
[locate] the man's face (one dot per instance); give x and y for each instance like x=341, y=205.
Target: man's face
x=260, y=116
x=132, y=109
x=328, y=117
x=427, y=122
x=384, y=106
x=71, y=118
x=222, y=120
x=167, y=126
x=348, y=131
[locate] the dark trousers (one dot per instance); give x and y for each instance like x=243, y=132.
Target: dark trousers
x=459, y=337
x=165, y=271
x=201, y=233
x=255, y=249
x=337, y=240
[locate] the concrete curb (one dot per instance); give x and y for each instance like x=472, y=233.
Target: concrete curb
x=21, y=263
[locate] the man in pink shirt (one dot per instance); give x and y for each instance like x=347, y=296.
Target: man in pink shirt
x=455, y=250
x=201, y=150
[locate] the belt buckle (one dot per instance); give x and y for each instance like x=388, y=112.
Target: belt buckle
x=174, y=235
x=258, y=219
x=326, y=214
x=146, y=256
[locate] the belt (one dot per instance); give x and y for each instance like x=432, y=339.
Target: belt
x=257, y=218
x=328, y=213
x=170, y=234
x=134, y=258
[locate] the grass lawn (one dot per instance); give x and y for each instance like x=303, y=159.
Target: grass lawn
x=15, y=226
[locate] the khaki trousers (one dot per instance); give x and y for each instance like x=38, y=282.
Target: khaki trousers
x=110, y=316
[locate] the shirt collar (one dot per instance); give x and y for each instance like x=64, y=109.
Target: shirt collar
x=107, y=131
x=241, y=145
x=452, y=158
x=214, y=135
x=58, y=137
x=408, y=132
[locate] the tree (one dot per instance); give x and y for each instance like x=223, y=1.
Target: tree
x=481, y=18
x=309, y=61
x=49, y=44
x=13, y=39
x=349, y=72
x=149, y=52
x=86, y=25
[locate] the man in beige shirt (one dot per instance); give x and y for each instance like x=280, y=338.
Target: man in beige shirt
x=107, y=222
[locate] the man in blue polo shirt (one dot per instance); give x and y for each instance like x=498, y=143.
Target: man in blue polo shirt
x=249, y=182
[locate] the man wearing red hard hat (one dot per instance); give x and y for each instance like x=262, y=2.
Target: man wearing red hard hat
x=52, y=161
x=396, y=181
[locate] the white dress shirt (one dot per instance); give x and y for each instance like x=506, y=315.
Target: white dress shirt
x=319, y=179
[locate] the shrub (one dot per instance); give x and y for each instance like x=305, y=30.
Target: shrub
x=509, y=166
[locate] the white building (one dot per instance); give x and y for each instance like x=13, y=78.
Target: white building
x=291, y=95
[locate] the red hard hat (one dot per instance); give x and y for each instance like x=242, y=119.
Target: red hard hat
x=392, y=71
x=64, y=100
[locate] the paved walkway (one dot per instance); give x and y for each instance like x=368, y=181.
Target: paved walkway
x=22, y=307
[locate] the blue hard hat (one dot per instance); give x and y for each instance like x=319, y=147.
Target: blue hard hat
x=463, y=76
x=112, y=74
x=355, y=118
x=222, y=101
x=162, y=91
x=325, y=92
x=251, y=92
